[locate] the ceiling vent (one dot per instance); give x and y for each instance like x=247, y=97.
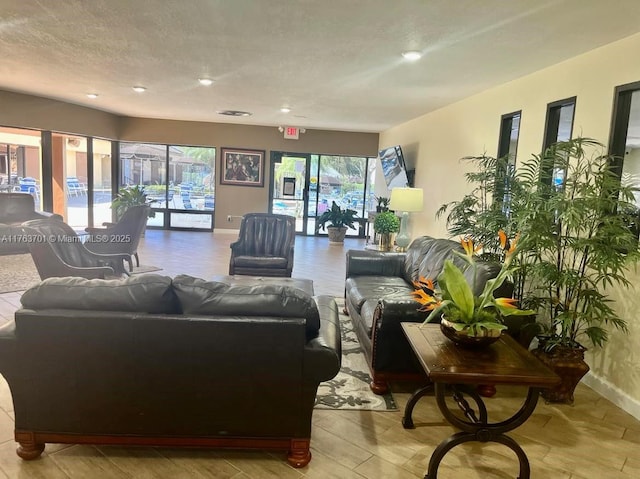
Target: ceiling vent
x=233, y=113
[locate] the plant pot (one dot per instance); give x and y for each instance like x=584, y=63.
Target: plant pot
x=566, y=362
x=385, y=242
x=461, y=338
x=336, y=235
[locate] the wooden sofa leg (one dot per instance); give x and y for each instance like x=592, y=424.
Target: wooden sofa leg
x=379, y=386
x=29, y=451
x=299, y=453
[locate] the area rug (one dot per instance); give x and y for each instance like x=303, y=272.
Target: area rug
x=350, y=388
x=18, y=273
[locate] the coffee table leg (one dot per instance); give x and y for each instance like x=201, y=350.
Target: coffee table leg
x=407, y=421
x=461, y=437
x=480, y=430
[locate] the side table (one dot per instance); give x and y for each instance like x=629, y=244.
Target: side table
x=451, y=368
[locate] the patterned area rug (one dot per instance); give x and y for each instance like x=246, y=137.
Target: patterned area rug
x=350, y=388
x=18, y=273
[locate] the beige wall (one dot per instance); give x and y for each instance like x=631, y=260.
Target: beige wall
x=436, y=142
x=26, y=111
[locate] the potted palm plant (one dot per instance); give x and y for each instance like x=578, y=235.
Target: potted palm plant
x=487, y=207
x=578, y=242
x=127, y=197
x=385, y=224
x=336, y=221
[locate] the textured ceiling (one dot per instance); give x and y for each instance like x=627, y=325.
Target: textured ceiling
x=335, y=63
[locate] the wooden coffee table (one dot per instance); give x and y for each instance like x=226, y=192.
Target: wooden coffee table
x=452, y=369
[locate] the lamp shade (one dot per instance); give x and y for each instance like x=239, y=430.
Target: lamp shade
x=406, y=199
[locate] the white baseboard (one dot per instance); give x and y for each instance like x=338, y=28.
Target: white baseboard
x=613, y=394
x=225, y=231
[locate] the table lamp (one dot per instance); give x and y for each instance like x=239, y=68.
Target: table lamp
x=405, y=200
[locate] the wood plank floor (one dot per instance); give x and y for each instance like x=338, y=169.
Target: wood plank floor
x=591, y=439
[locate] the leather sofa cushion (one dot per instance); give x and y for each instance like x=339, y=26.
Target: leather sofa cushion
x=362, y=288
x=147, y=293
x=260, y=261
x=215, y=298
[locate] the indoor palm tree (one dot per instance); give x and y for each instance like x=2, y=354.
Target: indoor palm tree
x=574, y=216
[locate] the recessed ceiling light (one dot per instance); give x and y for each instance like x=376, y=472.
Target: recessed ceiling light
x=139, y=89
x=233, y=113
x=205, y=81
x=93, y=96
x=285, y=109
x=412, y=55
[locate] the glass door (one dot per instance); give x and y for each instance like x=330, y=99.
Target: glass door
x=290, y=188
x=305, y=186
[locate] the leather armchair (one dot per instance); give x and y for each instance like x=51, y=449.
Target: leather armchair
x=57, y=250
x=16, y=208
x=122, y=237
x=265, y=245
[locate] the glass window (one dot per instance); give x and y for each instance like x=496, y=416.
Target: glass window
x=558, y=127
x=175, y=178
x=21, y=162
x=101, y=181
x=507, y=148
x=76, y=180
x=625, y=136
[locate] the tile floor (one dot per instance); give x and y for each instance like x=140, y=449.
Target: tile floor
x=591, y=439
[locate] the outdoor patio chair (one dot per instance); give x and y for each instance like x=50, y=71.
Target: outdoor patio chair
x=265, y=245
x=122, y=237
x=57, y=250
x=186, y=200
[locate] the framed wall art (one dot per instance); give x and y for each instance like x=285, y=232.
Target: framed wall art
x=242, y=167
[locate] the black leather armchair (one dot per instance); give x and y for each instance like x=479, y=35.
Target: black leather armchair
x=57, y=250
x=15, y=209
x=122, y=237
x=265, y=245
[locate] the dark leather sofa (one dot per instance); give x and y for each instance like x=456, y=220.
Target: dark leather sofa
x=378, y=298
x=153, y=361
x=16, y=208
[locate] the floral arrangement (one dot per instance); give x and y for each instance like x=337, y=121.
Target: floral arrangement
x=454, y=298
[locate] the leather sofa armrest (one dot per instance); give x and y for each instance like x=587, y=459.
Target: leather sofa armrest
x=46, y=214
x=8, y=347
x=323, y=354
x=390, y=349
x=40, y=215
x=374, y=263
x=8, y=331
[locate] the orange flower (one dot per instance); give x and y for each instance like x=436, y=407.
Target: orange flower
x=504, y=241
x=469, y=249
x=507, y=302
x=427, y=301
x=424, y=284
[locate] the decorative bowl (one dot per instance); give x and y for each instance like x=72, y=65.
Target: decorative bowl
x=461, y=338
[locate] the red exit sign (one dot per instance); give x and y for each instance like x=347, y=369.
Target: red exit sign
x=291, y=132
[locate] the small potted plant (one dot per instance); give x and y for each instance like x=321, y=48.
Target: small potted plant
x=467, y=319
x=338, y=221
x=385, y=224
x=127, y=197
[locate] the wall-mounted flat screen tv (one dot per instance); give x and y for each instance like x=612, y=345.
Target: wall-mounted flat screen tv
x=393, y=167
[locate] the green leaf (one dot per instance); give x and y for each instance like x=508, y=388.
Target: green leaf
x=458, y=290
